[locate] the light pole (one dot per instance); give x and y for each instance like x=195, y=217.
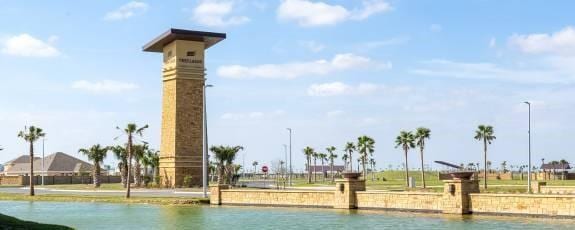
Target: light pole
x=290, y=165
x=529, y=167
x=285, y=157
x=205, y=154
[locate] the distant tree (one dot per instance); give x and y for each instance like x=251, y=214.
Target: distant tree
x=345, y=158
x=121, y=154
x=225, y=156
x=365, y=148
x=31, y=135
x=485, y=133
x=130, y=130
x=372, y=166
x=331, y=156
x=563, y=163
x=504, y=166
x=255, y=164
x=322, y=157
x=406, y=141
x=96, y=154
x=349, y=148
x=422, y=134
x=308, y=152
x=315, y=155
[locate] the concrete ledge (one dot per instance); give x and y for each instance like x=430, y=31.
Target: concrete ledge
x=401, y=210
x=279, y=205
x=401, y=193
x=276, y=191
x=523, y=195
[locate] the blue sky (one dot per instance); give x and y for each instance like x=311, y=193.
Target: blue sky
x=331, y=70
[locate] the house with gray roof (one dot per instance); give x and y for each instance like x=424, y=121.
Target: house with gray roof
x=57, y=164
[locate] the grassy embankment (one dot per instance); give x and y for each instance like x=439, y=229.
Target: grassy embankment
x=103, y=198
x=395, y=180
x=8, y=222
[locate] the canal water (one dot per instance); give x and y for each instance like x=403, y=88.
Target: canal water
x=141, y=216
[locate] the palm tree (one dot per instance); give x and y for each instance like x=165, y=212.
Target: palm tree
x=322, y=157
x=349, y=148
x=153, y=160
x=372, y=166
x=315, y=155
x=225, y=156
x=308, y=152
x=421, y=134
x=345, y=158
x=139, y=155
x=406, y=140
x=485, y=133
x=130, y=130
x=121, y=154
x=554, y=164
x=31, y=135
x=255, y=164
x=563, y=163
x=96, y=154
x=331, y=157
x=365, y=148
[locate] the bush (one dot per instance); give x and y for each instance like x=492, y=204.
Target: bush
x=187, y=181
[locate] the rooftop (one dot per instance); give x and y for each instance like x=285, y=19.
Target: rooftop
x=209, y=38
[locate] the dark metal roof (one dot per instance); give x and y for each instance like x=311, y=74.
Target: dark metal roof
x=209, y=38
x=558, y=166
x=449, y=164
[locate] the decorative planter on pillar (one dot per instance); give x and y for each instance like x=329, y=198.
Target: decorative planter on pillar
x=344, y=195
x=456, y=198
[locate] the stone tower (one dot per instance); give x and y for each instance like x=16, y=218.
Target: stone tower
x=183, y=76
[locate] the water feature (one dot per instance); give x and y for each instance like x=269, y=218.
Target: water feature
x=141, y=216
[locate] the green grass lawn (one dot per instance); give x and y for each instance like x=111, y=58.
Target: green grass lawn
x=8, y=222
x=395, y=180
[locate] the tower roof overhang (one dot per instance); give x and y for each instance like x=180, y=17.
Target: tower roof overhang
x=209, y=39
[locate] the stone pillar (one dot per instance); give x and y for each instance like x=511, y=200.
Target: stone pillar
x=216, y=193
x=536, y=186
x=456, y=198
x=344, y=195
x=183, y=76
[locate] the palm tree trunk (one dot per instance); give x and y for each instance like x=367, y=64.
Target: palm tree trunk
x=32, y=168
x=314, y=171
x=137, y=173
x=221, y=173
x=406, y=170
x=422, y=170
x=350, y=164
x=332, y=173
x=129, y=166
x=309, y=170
x=96, y=176
x=485, y=164
x=322, y=171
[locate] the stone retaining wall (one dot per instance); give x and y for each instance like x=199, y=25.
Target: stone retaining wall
x=278, y=198
x=417, y=201
x=544, y=205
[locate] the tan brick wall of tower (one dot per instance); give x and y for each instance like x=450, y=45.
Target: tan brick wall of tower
x=182, y=114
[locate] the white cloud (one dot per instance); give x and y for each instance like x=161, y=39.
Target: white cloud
x=257, y=115
x=334, y=113
x=312, y=46
x=317, y=13
x=492, y=43
x=105, y=86
x=25, y=45
x=561, y=42
x=367, y=46
x=486, y=70
x=339, y=88
x=217, y=13
x=126, y=11
x=339, y=62
x=435, y=28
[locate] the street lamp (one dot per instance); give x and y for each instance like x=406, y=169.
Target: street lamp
x=529, y=167
x=285, y=158
x=290, y=165
x=205, y=154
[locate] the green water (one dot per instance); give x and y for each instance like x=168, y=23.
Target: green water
x=135, y=217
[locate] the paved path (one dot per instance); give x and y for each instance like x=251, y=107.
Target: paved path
x=134, y=192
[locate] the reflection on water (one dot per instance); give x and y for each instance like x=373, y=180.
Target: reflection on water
x=131, y=216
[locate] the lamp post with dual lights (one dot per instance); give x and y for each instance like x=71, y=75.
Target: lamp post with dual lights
x=205, y=154
x=529, y=165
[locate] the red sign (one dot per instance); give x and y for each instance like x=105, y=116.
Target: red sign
x=265, y=169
